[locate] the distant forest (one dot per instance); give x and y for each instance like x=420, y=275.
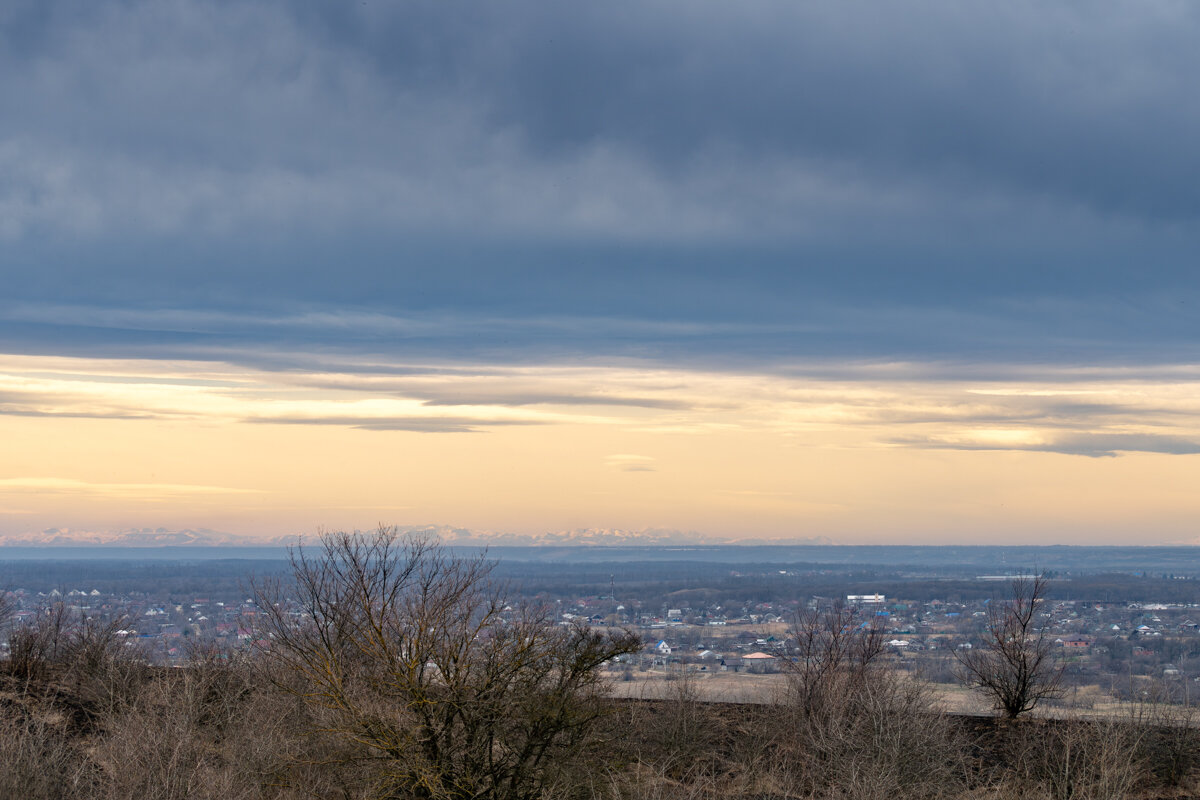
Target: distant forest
x=750, y=574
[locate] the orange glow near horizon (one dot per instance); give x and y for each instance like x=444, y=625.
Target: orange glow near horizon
x=877, y=456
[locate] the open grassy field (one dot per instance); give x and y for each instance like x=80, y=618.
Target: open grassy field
x=742, y=687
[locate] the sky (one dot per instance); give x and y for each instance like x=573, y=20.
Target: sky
x=880, y=273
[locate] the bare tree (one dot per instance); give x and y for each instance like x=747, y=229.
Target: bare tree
x=1014, y=667
x=415, y=657
x=828, y=652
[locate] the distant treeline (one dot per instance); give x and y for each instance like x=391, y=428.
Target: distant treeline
x=677, y=583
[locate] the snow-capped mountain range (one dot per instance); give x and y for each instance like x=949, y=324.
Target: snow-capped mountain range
x=134, y=537
x=204, y=537
x=598, y=537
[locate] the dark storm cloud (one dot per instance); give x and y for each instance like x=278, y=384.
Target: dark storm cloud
x=732, y=184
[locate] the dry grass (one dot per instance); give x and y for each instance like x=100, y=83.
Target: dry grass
x=220, y=731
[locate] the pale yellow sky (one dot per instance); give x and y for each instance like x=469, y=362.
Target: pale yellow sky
x=876, y=454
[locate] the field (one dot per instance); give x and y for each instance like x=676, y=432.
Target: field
x=742, y=687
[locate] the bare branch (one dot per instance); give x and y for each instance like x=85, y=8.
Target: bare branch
x=413, y=655
x=1014, y=667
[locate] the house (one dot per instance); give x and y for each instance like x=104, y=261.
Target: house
x=1075, y=642
x=760, y=662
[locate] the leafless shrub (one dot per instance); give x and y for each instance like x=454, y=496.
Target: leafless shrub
x=884, y=741
x=39, y=762
x=1169, y=742
x=1074, y=759
x=854, y=728
x=8, y=608
x=645, y=782
x=156, y=750
x=214, y=685
x=829, y=655
x=82, y=652
x=40, y=643
x=103, y=671
x=672, y=737
x=205, y=730
x=414, y=657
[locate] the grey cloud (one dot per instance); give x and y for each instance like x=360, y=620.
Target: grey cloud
x=1050, y=98
x=816, y=337
x=208, y=115
x=517, y=400
x=20, y=411
x=1097, y=445
x=1032, y=411
x=40, y=404
x=411, y=424
x=792, y=330
x=1092, y=445
x=985, y=373
x=842, y=181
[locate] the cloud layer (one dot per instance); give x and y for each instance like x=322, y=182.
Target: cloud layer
x=999, y=182
x=864, y=405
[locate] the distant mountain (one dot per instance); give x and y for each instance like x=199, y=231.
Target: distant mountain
x=598, y=537
x=134, y=537
x=204, y=537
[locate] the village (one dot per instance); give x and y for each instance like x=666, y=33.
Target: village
x=1109, y=650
